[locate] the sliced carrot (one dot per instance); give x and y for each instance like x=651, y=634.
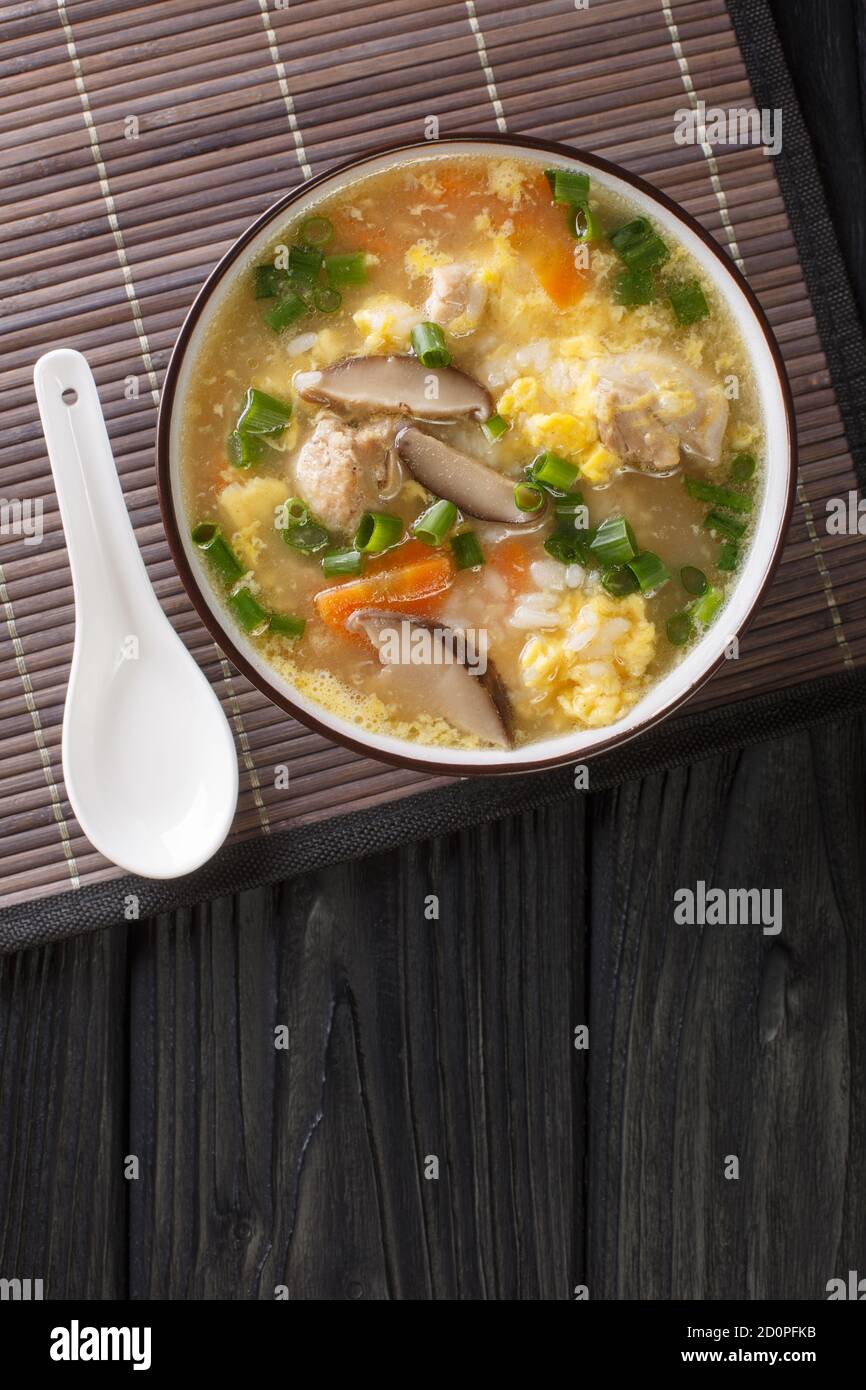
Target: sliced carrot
x=509, y=558
x=559, y=277
x=417, y=588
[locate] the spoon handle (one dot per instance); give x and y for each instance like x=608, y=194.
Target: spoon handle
x=108, y=574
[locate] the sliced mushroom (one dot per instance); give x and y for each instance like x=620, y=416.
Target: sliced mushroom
x=441, y=682
x=472, y=486
x=398, y=383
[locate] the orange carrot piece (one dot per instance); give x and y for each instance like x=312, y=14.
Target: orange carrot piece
x=559, y=277
x=417, y=587
x=509, y=558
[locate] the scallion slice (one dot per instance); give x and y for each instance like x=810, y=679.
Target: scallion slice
x=244, y=449
x=338, y=563
x=649, y=571
x=326, y=300
x=693, y=580
x=494, y=428
x=248, y=611
x=286, y=311
x=743, y=468
x=568, y=185
x=614, y=542
x=729, y=556
x=724, y=525
x=316, y=231
x=429, y=346
x=378, y=531
x=584, y=224
x=688, y=301
x=466, y=549
x=433, y=525
x=528, y=497
x=285, y=625
x=638, y=245
x=705, y=608
x=620, y=581
x=634, y=287
x=568, y=547
x=553, y=471
x=350, y=269
x=703, y=491
x=263, y=414
x=309, y=537
x=305, y=262
x=267, y=281
x=207, y=537
x=679, y=628
x=296, y=512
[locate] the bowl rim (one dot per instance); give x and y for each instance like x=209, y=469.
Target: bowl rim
x=222, y=636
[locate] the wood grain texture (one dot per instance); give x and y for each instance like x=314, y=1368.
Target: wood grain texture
x=63, y=1125
x=718, y=1040
x=408, y=1038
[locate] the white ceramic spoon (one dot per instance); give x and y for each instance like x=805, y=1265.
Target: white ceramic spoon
x=148, y=757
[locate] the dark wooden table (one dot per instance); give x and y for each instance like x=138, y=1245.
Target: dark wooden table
x=325, y=1088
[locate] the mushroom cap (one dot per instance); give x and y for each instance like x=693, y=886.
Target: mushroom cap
x=467, y=482
x=397, y=383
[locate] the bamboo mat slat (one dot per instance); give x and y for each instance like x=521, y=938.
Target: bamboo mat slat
x=105, y=239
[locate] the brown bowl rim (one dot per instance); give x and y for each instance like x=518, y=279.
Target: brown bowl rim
x=166, y=498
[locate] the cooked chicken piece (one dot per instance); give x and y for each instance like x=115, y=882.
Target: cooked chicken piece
x=457, y=298
x=650, y=406
x=341, y=467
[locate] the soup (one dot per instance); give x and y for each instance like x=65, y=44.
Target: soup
x=471, y=452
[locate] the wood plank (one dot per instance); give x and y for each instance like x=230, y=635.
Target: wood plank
x=408, y=1038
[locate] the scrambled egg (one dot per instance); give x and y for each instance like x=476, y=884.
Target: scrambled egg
x=387, y=323
x=422, y=257
x=594, y=664
x=506, y=180
x=248, y=508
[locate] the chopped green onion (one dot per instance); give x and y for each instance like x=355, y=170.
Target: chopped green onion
x=568, y=547
x=494, y=428
x=743, y=468
x=584, y=224
x=207, y=537
x=336, y=563
x=679, y=628
x=326, y=300
x=267, y=280
x=634, y=287
x=429, y=346
x=285, y=625
x=286, y=311
x=688, y=301
x=528, y=497
x=263, y=414
x=346, y=270
x=567, y=185
x=244, y=449
x=719, y=496
x=649, y=571
x=432, y=526
x=693, y=580
x=295, y=511
x=305, y=262
x=466, y=549
x=614, y=542
x=729, y=556
x=248, y=611
x=619, y=581
x=639, y=245
x=727, y=526
x=308, y=536
x=705, y=608
x=316, y=231
x=378, y=531
x=553, y=471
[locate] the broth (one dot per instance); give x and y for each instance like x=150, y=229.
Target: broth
x=609, y=409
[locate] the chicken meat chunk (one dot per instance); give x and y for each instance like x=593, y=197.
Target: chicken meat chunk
x=341, y=468
x=457, y=298
x=650, y=406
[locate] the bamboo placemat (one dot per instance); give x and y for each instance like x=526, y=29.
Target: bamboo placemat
x=139, y=140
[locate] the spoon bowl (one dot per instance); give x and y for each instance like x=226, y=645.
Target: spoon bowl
x=148, y=757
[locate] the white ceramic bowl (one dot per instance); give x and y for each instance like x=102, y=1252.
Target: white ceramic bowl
x=774, y=503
